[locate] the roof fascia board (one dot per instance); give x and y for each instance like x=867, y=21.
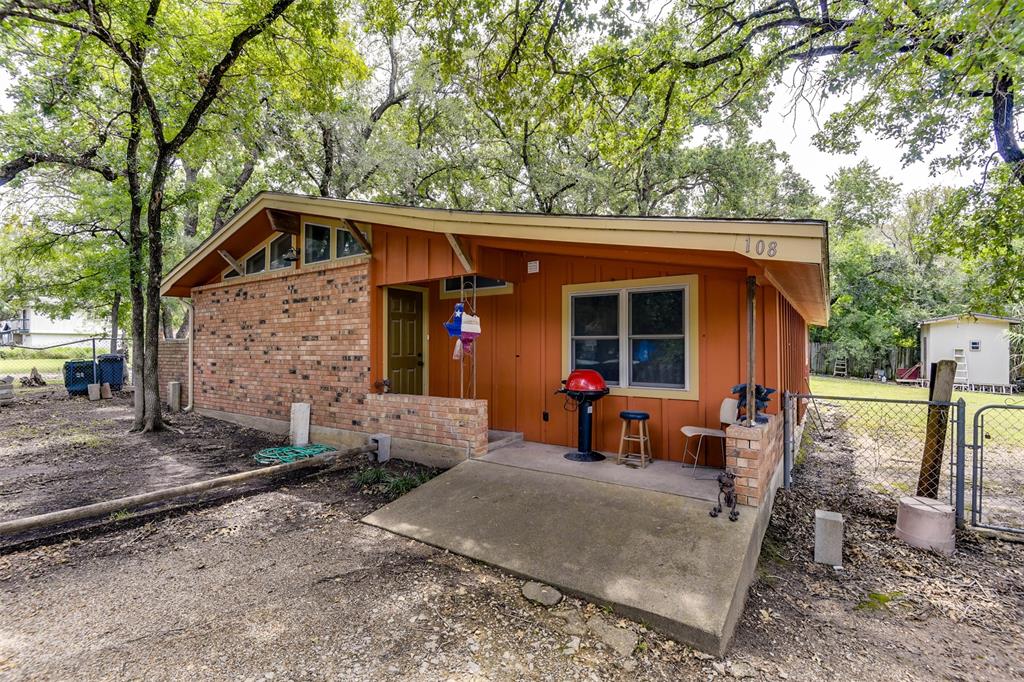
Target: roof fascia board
x=796, y=241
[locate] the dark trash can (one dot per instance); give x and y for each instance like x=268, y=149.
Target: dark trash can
x=78, y=374
x=111, y=370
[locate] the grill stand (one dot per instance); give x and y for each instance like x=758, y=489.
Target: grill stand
x=584, y=433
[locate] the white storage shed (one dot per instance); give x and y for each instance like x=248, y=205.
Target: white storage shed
x=979, y=343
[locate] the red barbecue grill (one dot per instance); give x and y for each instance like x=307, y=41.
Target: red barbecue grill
x=584, y=386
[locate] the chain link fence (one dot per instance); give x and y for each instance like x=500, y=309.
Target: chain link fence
x=997, y=469
x=885, y=449
x=48, y=362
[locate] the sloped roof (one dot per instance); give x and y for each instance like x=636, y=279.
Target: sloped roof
x=796, y=263
x=968, y=316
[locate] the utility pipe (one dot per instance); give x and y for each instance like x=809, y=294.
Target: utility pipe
x=751, y=347
x=122, y=503
x=191, y=340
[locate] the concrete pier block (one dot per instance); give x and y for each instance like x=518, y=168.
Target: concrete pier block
x=174, y=396
x=6, y=389
x=926, y=523
x=383, y=442
x=828, y=537
x=299, y=430
x=105, y=391
x=94, y=391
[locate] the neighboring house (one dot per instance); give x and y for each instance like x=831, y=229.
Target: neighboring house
x=354, y=326
x=979, y=343
x=31, y=328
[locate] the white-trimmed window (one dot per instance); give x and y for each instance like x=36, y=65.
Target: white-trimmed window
x=632, y=336
x=346, y=245
x=278, y=250
x=256, y=263
x=316, y=243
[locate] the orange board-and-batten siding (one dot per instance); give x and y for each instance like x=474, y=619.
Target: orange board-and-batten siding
x=519, y=355
x=314, y=333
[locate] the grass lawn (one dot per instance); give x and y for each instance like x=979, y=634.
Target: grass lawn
x=865, y=388
x=52, y=369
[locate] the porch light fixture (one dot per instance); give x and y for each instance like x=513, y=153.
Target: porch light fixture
x=291, y=255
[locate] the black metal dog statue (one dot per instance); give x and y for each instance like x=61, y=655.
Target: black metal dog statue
x=726, y=489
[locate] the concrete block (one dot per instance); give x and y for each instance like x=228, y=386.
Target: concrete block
x=383, y=442
x=174, y=396
x=927, y=524
x=299, y=429
x=828, y=537
x=105, y=392
x=94, y=391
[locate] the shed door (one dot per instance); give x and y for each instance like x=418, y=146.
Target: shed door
x=405, y=341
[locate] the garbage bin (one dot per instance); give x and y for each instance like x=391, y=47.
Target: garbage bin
x=78, y=374
x=111, y=370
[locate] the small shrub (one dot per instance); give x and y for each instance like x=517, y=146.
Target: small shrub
x=400, y=485
x=370, y=476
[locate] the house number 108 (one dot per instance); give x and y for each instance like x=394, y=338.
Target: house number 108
x=762, y=248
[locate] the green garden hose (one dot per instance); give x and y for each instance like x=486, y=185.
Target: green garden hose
x=288, y=454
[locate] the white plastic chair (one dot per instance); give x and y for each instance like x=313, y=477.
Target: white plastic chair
x=727, y=414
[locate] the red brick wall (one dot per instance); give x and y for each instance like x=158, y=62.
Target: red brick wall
x=753, y=454
x=173, y=366
x=447, y=421
x=303, y=336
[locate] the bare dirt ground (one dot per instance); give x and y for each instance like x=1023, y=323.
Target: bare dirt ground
x=285, y=583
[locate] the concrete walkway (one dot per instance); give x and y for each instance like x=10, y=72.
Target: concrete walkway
x=653, y=556
x=659, y=475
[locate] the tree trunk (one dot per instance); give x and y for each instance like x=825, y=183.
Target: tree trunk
x=192, y=204
x=151, y=385
x=166, y=323
x=135, y=259
x=115, y=309
x=1003, y=125
x=227, y=200
x=327, y=138
x=184, y=329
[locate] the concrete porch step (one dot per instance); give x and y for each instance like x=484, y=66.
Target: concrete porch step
x=499, y=439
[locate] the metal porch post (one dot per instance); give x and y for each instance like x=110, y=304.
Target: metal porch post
x=787, y=438
x=751, y=347
x=961, y=456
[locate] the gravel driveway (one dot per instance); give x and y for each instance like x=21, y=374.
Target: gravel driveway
x=285, y=583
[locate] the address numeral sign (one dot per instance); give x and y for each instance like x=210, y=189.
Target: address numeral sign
x=760, y=247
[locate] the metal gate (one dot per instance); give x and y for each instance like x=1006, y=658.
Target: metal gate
x=997, y=470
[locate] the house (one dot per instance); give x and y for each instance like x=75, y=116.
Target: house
x=341, y=304
x=32, y=328
x=979, y=343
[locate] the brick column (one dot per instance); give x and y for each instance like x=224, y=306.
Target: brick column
x=753, y=453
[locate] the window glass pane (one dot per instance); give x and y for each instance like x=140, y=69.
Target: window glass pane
x=317, y=244
x=347, y=245
x=656, y=312
x=595, y=315
x=598, y=354
x=657, y=362
x=257, y=262
x=230, y=273
x=278, y=248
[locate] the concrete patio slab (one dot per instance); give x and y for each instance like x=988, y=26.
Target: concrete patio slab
x=652, y=556
x=659, y=475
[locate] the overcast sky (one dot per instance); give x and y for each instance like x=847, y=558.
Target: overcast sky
x=792, y=132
